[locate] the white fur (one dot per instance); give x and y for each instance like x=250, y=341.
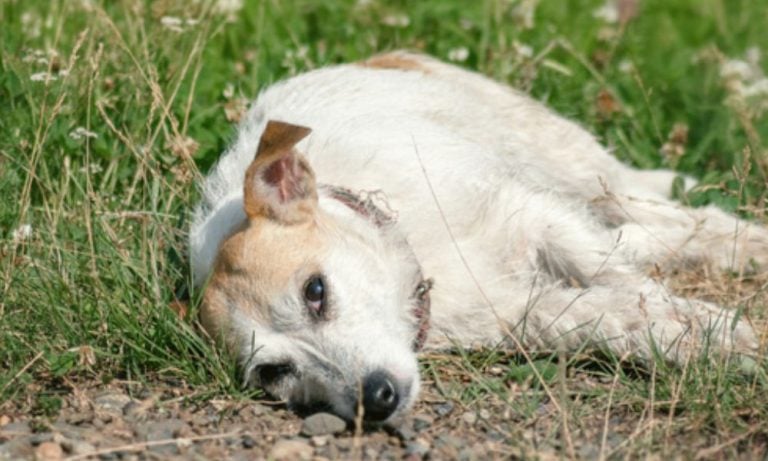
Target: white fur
x=528, y=226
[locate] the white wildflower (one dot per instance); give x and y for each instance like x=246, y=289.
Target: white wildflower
x=229, y=91
x=609, y=12
x=22, y=233
x=228, y=6
x=42, y=77
x=80, y=133
x=626, y=66
x=400, y=20
x=746, y=81
x=293, y=58
x=459, y=54
x=522, y=49
x=757, y=89
x=735, y=68
x=31, y=25
x=92, y=168
x=172, y=23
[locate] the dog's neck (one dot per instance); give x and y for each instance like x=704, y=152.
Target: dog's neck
x=374, y=207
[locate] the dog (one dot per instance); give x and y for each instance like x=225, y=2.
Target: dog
x=371, y=210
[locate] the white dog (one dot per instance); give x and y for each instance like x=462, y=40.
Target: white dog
x=351, y=188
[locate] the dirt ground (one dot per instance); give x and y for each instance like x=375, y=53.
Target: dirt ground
x=124, y=421
x=132, y=422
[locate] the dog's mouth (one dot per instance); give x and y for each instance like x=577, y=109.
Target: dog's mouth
x=377, y=398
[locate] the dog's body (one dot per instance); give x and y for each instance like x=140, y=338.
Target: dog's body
x=529, y=228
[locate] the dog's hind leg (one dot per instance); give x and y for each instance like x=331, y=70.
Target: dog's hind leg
x=643, y=321
x=670, y=235
x=568, y=281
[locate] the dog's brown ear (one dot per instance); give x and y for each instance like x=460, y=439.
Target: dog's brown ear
x=279, y=184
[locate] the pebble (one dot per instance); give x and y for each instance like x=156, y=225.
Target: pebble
x=80, y=418
x=405, y=431
x=41, y=438
x=80, y=448
x=248, y=441
x=469, y=417
x=49, y=451
x=421, y=422
x=323, y=424
x=450, y=441
x=319, y=440
x=418, y=447
x=111, y=402
x=4, y=419
x=291, y=449
x=467, y=454
x=485, y=414
x=443, y=409
x=164, y=430
x=17, y=428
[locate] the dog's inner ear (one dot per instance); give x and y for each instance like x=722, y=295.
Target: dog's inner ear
x=279, y=184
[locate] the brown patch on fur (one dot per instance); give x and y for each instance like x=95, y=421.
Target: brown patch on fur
x=252, y=268
x=395, y=60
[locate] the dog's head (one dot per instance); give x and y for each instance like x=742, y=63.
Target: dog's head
x=321, y=300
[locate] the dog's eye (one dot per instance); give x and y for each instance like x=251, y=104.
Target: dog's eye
x=314, y=295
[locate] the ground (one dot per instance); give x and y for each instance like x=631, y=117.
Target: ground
x=112, y=111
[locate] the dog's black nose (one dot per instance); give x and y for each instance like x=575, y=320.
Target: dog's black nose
x=380, y=397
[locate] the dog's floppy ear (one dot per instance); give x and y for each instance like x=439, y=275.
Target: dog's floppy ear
x=279, y=184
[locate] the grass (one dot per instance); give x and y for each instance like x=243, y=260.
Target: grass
x=112, y=110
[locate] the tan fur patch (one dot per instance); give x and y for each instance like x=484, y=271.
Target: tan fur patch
x=254, y=266
x=395, y=60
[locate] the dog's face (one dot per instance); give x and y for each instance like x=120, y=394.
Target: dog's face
x=317, y=299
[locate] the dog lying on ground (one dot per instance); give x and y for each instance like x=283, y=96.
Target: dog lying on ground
x=350, y=189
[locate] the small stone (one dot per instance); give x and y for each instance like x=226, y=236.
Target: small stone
x=319, y=440
x=248, y=441
x=41, y=438
x=164, y=430
x=80, y=448
x=291, y=449
x=467, y=454
x=49, y=451
x=405, y=431
x=258, y=409
x=17, y=428
x=421, y=422
x=323, y=424
x=4, y=419
x=450, y=441
x=469, y=418
x=443, y=409
x=80, y=418
x=418, y=447
x=111, y=402
x=485, y=414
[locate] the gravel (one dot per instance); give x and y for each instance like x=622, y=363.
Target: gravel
x=323, y=424
x=131, y=422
